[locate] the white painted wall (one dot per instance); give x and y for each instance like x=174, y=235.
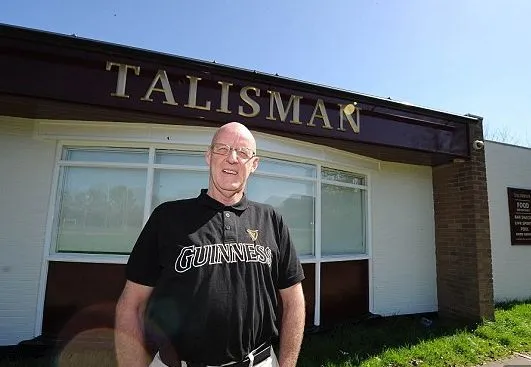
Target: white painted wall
x=26, y=166
x=403, y=240
x=507, y=166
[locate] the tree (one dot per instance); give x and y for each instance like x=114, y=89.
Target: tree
x=504, y=135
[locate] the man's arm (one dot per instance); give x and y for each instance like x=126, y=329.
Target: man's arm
x=129, y=326
x=292, y=325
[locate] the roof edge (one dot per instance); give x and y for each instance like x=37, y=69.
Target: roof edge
x=73, y=41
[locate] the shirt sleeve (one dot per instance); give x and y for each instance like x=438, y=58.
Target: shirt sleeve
x=290, y=268
x=143, y=264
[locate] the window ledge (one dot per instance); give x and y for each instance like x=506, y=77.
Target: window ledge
x=89, y=258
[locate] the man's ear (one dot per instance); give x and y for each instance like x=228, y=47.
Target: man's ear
x=255, y=164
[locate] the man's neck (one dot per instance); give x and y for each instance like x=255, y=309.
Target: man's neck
x=224, y=199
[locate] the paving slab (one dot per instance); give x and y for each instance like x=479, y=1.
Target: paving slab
x=516, y=360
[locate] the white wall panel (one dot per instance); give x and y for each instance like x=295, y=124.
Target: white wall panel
x=403, y=240
x=507, y=166
x=26, y=166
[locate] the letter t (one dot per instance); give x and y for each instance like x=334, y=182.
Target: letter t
x=122, y=77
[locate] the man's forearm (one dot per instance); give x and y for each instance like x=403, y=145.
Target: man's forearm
x=291, y=331
x=129, y=338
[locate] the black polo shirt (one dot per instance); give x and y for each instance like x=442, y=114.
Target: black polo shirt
x=215, y=270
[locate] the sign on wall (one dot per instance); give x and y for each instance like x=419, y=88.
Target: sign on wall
x=520, y=215
x=62, y=76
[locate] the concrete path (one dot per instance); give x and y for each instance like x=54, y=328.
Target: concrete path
x=518, y=359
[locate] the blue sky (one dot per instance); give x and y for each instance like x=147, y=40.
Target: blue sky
x=459, y=56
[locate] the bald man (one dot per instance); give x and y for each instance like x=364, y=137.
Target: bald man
x=208, y=275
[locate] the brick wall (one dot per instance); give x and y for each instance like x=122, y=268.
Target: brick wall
x=462, y=235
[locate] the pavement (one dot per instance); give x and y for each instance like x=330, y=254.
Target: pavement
x=518, y=359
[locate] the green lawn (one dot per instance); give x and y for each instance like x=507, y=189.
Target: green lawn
x=390, y=342
x=405, y=341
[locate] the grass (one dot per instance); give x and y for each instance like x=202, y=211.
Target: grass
x=383, y=342
x=406, y=341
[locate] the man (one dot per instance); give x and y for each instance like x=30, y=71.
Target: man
x=208, y=275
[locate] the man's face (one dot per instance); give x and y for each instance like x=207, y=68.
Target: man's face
x=229, y=173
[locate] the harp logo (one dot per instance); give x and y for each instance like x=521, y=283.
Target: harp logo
x=253, y=233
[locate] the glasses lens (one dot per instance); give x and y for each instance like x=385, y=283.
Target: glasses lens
x=245, y=153
x=221, y=149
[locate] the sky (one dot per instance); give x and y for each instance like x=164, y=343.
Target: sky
x=457, y=56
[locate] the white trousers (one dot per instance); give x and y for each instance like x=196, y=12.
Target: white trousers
x=271, y=361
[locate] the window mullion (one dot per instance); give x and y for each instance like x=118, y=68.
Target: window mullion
x=343, y=184
x=149, y=184
x=120, y=165
x=366, y=222
x=61, y=178
x=170, y=167
x=287, y=177
x=317, y=311
x=49, y=241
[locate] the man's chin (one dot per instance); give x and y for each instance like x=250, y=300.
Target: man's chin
x=231, y=186
x=233, y=191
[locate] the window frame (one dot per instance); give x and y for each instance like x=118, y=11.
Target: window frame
x=150, y=166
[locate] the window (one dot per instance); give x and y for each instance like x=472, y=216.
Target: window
x=289, y=188
x=102, y=194
x=106, y=194
x=176, y=175
x=342, y=213
x=101, y=201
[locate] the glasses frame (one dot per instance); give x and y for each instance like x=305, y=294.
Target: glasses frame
x=238, y=150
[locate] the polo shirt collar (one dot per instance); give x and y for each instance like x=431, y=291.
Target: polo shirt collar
x=206, y=200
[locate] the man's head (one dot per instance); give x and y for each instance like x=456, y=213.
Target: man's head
x=232, y=158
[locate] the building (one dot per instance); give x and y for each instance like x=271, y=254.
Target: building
x=387, y=202
x=509, y=174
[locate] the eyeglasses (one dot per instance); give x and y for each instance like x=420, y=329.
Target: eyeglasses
x=242, y=153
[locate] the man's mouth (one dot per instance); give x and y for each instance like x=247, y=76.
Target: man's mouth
x=230, y=172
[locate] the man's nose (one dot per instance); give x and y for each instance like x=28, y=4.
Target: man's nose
x=233, y=156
